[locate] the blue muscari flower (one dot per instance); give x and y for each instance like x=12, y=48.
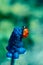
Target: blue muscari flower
x=15, y=46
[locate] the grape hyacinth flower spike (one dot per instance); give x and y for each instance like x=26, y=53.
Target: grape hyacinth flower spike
x=15, y=46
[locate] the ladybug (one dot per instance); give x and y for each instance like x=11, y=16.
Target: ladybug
x=25, y=32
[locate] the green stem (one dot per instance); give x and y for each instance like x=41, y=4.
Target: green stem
x=12, y=60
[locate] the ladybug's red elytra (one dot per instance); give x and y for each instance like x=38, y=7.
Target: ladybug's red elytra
x=25, y=32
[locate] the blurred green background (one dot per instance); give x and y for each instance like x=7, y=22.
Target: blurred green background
x=18, y=13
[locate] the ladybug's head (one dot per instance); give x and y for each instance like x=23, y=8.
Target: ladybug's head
x=25, y=32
